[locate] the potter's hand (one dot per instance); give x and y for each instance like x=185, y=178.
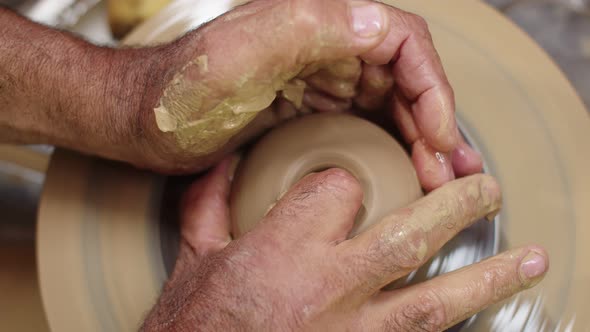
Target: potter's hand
x=236, y=65
x=297, y=271
x=180, y=107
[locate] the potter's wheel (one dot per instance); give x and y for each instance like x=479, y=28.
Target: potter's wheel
x=104, y=251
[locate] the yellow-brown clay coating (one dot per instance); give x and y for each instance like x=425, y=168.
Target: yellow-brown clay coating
x=182, y=107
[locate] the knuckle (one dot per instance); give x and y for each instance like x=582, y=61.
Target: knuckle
x=447, y=91
x=240, y=257
x=497, y=283
x=426, y=314
x=303, y=15
x=416, y=25
x=420, y=22
x=467, y=199
x=302, y=23
x=410, y=255
x=417, y=22
x=480, y=192
x=402, y=248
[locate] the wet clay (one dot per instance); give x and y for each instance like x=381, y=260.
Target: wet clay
x=315, y=143
x=98, y=243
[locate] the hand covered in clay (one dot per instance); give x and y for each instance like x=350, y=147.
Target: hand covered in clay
x=268, y=61
x=296, y=270
x=180, y=107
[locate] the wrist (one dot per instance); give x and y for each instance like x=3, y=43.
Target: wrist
x=136, y=83
x=86, y=96
x=117, y=90
x=152, y=70
x=129, y=85
x=58, y=89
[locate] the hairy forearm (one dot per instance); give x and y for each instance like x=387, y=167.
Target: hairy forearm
x=59, y=89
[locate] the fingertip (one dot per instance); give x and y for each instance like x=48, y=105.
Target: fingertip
x=466, y=161
x=433, y=168
x=215, y=181
x=534, y=265
x=369, y=21
x=539, y=250
x=205, y=211
x=321, y=205
x=340, y=180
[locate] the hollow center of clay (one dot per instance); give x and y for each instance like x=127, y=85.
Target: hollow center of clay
x=362, y=212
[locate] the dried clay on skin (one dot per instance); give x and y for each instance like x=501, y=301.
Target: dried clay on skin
x=205, y=129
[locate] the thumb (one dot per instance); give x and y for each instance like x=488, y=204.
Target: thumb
x=238, y=62
x=205, y=222
x=276, y=37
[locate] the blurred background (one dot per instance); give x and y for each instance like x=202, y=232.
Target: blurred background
x=561, y=27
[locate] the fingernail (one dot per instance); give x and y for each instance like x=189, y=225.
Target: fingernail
x=367, y=19
x=532, y=267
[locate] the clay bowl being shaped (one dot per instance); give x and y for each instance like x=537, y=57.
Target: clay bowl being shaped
x=319, y=142
x=106, y=241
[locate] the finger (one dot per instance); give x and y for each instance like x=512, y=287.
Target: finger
x=338, y=79
x=205, y=223
x=338, y=88
x=321, y=206
x=334, y=29
x=312, y=31
x=271, y=42
x=406, y=239
x=402, y=116
x=466, y=160
x=433, y=168
x=324, y=103
x=375, y=85
x=264, y=121
x=285, y=110
x=447, y=300
x=349, y=68
x=419, y=73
